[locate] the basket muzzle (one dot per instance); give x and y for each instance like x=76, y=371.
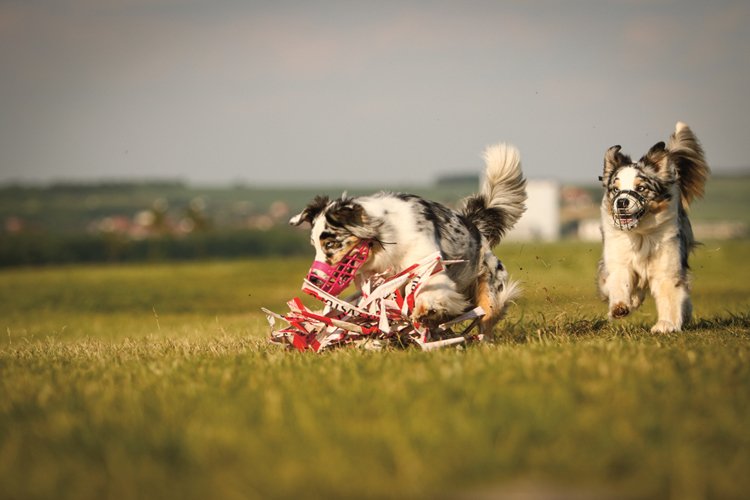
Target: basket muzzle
x=627, y=209
x=335, y=278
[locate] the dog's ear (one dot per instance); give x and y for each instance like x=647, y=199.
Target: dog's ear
x=312, y=210
x=657, y=158
x=613, y=160
x=347, y=213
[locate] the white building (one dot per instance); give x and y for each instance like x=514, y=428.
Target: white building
x=541, y=221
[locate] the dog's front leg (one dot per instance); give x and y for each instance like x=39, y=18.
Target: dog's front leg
x=673, y=304
x=670, y=289
x=619, y=287
x=438, y=301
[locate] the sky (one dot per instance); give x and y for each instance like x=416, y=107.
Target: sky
x=304, y=93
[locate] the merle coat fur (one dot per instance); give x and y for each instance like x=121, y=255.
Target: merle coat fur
x=405, y=228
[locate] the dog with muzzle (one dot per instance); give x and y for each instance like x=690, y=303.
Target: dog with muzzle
x=646, y=232
x=357, y=237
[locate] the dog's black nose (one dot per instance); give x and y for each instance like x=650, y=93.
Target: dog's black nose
x=623, y=203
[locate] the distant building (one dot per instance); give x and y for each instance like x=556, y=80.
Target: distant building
x=541, y=221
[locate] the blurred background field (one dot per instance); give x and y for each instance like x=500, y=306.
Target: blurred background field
x=156, y=380
x=152, y=221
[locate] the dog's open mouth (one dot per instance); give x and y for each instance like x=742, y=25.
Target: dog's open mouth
x=627, y=209
x=625, y=222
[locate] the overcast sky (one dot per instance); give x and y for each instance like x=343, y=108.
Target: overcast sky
x=351, y=93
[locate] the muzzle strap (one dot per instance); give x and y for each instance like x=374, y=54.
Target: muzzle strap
x=627, y=209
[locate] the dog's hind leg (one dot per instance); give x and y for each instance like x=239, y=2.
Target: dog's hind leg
x=486, y=298
x=636, y=299
x=601, y=280
x=495, y=290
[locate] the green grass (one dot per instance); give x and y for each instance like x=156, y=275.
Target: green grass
x=156, y=381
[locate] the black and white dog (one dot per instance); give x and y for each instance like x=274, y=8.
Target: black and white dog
x=646, y=232
x=399, y=230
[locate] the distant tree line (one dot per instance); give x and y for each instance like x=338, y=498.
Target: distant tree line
x=88, y=187
x=31, y=249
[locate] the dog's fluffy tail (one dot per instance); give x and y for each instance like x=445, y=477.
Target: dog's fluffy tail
x=502, y=198
x=686, y=154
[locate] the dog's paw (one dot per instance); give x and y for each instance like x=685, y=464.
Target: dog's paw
x=438, y=302
x=619, y=310
x=433, y=307
x=429, y=313
x=664, y=326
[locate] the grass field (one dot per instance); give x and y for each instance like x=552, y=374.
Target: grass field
x=156, y=381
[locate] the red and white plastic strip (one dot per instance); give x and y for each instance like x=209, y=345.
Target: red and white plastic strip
x=380, y=315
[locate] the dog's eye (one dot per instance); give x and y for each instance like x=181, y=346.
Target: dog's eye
x=330, y=245
x=640, y=189
x=615, y=190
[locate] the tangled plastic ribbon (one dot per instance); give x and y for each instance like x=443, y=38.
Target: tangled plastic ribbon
x=378, y=316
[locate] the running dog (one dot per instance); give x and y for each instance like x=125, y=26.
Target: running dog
x=646, y=232
x=388, y=232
